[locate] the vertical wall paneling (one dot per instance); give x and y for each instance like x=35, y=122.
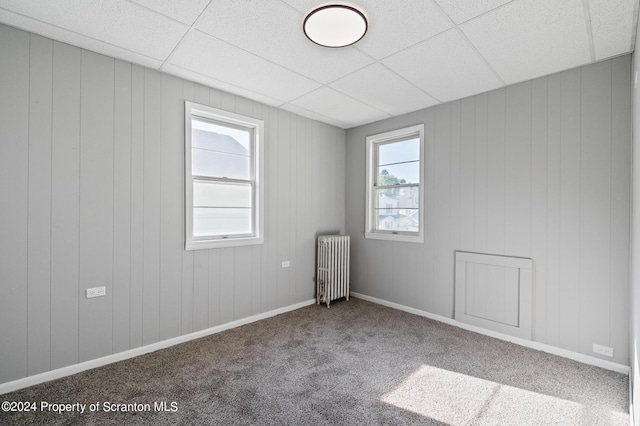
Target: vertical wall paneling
x=570, y=274
x=96, y=205
x=467, y=182
x=122, y=207
x=242, y=282
x=213, y=288
x=518, y=170
x=341, y=165
x=539, y=208
x=283, y=280
x=227, y=277
x=354, y=184
x=481, y=215
x=136, y=297
x=65, y=205
x=39, y=219
x=620, y=203
x=428, y=248
x=496, y=169
x=14, y=191
x=455, y=206
x=257, y=264
x=442, y=216
x=537, y=170
x=271, y=205
x=152, y=202
x=201, y=292
x=552, y=304
x=187, y=256
x=171, y=207
x=467, y=174
x=293, y=197
x=595, y=203
x=302, y=278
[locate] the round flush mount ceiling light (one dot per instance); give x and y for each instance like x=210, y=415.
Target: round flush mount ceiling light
x=335, y=25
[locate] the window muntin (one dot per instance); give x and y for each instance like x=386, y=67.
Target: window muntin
x=223, y=178
x=395, y=184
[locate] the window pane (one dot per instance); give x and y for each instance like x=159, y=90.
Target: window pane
x=216, y=137
x=218, y=164
x=390, y=219
x=221, y=194
x=399, y=173
x=398, y=198
x=221, y=221
x=399, y=152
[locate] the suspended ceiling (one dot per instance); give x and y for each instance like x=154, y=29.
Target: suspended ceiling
x=416, y=53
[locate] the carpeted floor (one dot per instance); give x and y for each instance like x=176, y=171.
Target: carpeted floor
x=355, y=363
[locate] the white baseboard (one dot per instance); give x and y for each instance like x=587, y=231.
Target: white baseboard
x=586, y=359
x=99, y=362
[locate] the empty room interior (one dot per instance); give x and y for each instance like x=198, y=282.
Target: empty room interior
x=306, y=212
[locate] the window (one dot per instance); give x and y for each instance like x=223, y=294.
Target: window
x=223, y=178
x=395, y=176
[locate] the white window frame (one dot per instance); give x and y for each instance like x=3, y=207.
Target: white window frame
x=372, y=143
x=193, y=110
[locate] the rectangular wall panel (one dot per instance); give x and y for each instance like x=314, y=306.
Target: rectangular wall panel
x=494, y=292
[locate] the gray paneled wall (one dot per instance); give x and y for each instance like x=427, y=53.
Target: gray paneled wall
x=92, y=193
x=540, y=169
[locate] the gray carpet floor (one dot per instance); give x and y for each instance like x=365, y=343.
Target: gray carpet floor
x=355, y=363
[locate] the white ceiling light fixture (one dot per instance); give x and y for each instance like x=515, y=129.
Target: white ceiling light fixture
x=335, y=25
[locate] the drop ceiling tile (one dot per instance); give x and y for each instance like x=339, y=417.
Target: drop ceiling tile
x=314, y=116
x=463, y=10
x=185, y=11
x=116, y=22
x=330, y=103
x=218, y=60
x=383, y=89
x=220, y=85
x=75, y=39
x=391, y=27
x=530, y=38
x=612, y=25
x=445, y=66
x=273, y=30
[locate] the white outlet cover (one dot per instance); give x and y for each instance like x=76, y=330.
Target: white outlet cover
x=602, y=350
x=96, y=292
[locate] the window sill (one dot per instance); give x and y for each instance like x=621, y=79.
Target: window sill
x=394, y=237
x=212, y=244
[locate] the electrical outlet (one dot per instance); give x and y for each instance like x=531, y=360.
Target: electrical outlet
x=286, y=263
x=603, y=350
x=96, y=292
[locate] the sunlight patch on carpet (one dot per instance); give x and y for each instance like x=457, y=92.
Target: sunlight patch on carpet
x=456, y=398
